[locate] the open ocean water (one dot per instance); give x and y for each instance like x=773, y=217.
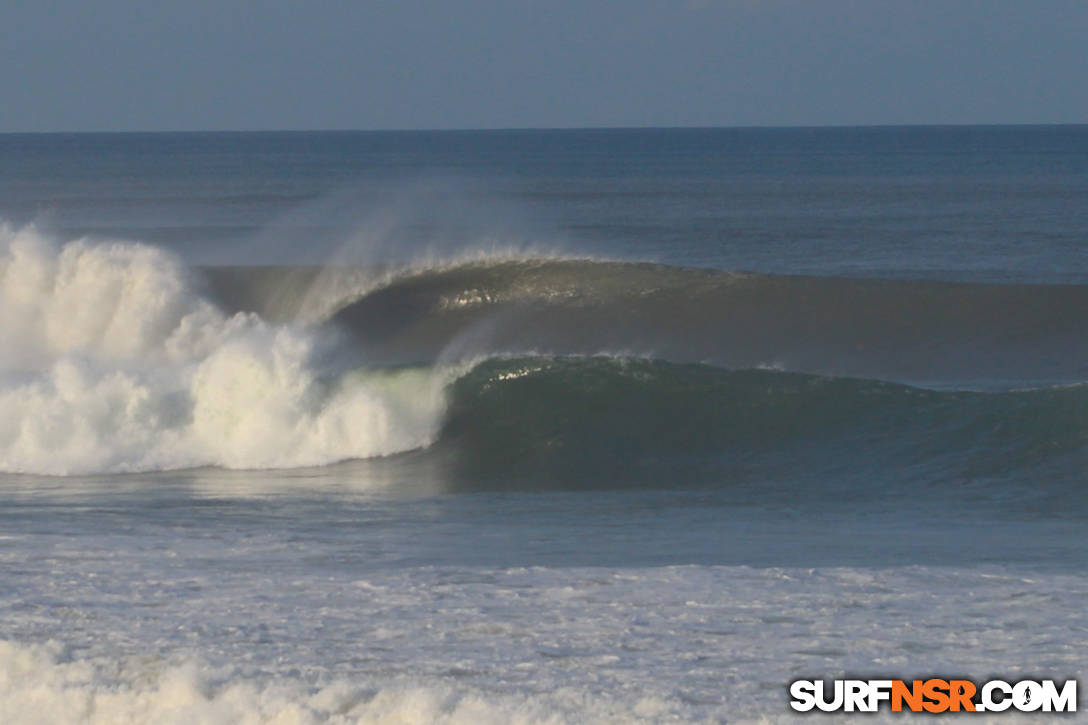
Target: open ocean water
x=536, y=426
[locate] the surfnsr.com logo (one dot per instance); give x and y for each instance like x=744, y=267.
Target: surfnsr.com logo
x=933, y=695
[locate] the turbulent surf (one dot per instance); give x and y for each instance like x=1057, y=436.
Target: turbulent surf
x=125, y=359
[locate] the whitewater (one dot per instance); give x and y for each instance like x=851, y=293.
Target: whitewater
x=117, y=363
x=581, y=427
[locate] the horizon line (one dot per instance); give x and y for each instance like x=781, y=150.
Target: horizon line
x=501, y=129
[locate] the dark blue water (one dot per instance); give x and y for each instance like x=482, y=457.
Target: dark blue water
x=967, y=203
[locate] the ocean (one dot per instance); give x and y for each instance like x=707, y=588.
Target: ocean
x=572, y=426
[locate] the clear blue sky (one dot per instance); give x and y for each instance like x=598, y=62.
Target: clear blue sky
x=75, y=65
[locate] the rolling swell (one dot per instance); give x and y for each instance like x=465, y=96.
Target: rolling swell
x=921, y=332
x=603, y=421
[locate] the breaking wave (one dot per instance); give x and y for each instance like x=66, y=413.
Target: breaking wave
x=122, y=358
x=923, y=332
x=115, y=361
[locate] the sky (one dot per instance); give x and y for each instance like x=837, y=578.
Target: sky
x=113, y=65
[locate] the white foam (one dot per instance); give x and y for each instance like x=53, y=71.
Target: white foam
x=114, y=361
x=42, y=685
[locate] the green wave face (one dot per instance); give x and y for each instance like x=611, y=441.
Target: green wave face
x=566, y=422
